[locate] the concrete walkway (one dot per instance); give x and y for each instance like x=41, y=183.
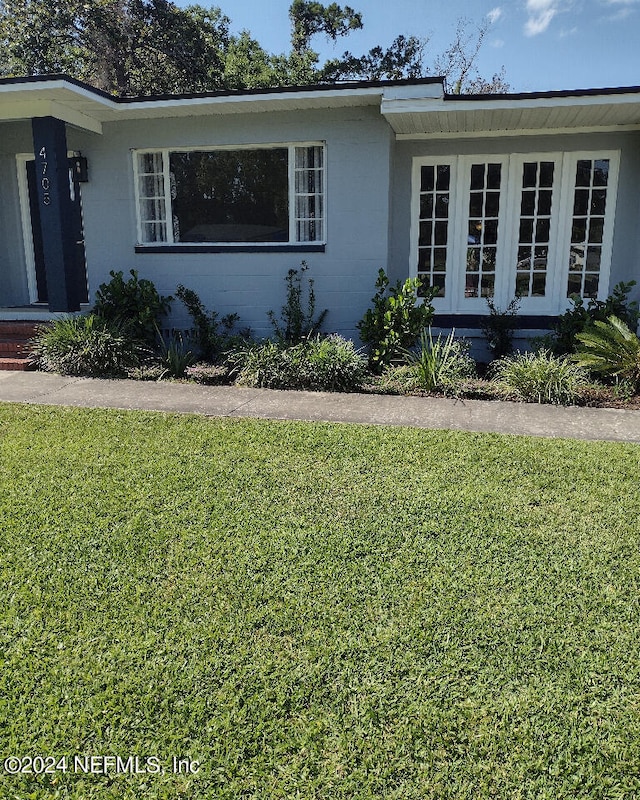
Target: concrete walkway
x=229, y=401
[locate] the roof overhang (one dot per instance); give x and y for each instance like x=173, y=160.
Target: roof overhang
x=88, y=108
x=414, y=109
x=511, y=115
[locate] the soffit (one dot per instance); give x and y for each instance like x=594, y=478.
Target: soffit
x=453, y=117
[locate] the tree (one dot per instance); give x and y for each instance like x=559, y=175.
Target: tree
x=123, y=46
x=140, y=47
x=457, y=65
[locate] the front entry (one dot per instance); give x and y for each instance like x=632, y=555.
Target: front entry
x=39, y=291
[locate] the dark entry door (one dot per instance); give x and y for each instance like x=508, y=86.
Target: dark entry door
x=80, y=264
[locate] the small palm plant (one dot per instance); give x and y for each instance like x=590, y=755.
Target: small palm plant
x=610, y=348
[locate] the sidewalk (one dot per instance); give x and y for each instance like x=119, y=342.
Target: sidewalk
x=229, y=401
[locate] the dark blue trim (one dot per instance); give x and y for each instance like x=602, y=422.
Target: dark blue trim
x=226, y=248
x=56, y=214
x=520, y=321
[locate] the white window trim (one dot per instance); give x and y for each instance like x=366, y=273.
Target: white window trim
x=555, y=301
x=291, y=148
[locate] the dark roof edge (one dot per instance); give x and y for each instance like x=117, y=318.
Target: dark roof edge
x=221, y=92
x=543, y=95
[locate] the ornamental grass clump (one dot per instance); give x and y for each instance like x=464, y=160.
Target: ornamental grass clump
x=86, y=345
x=441, y=365
x=330, y=364
x=610, y=349
x=540, y=377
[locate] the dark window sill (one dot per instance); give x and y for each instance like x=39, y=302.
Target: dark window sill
x=520, y=321
x=268, y=247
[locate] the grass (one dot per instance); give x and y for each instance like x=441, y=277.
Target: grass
x=317, y=611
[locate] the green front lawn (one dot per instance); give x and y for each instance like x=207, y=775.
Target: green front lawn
x=316, y=611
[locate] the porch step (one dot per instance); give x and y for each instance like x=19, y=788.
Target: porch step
x=16, y=364
x=15, y=336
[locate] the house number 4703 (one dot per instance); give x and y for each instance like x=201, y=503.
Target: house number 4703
x=44, y=178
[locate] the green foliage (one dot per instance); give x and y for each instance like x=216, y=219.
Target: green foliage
x=210, y=341
x=309, y=17
x=144, y=47
x=297, y=324
x=86, y=345
x=175, y=354
x=396, y=320
x=610, y=348
x=132, y=47
x=500, y=326
x=579, y=318
x=330, y=364
x=337, y=612
x=133, y=306
x=540, y=377
x=441, y=365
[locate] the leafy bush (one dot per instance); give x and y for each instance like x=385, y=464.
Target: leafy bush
x=499, y=327
x=296, y=324
x=331, y=364
x=441, y=364
x=610, y=348
x=395, y=322
x=580, y=318
x=133, y=306
x=540, y=378
x=86, y=345
x=206, y=325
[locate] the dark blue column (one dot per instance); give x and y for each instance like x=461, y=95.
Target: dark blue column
x=56, y=215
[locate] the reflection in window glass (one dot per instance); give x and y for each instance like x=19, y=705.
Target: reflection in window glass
x=589, y=209
x=435, y=181
x=482, y=230
x=239, y=196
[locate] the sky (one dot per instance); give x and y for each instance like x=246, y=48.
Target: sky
x=542, y=44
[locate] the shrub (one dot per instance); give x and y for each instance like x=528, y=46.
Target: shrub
x=395, y=322
x=580, y=318
x=540, y=378
x=296, y=324
x=499, y=327
x=133, y=306
x=208, y=339
x=331, y=364
x=610, y=348
x=175, y=355
x=441, y=365
x=86, y=345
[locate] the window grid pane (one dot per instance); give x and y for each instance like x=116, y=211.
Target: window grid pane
x=151, y=198
x=433, y=234
x=482, y=236
x=535, y=227
x=589, y=209
x=309, y=194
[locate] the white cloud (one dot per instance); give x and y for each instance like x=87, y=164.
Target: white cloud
x=622, y=8
x=497, y=43
x=541, y=12
x=495, y=14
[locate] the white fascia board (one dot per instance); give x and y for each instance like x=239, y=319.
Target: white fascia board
x=245, y=103
x=418, y=106
x=428, y=91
